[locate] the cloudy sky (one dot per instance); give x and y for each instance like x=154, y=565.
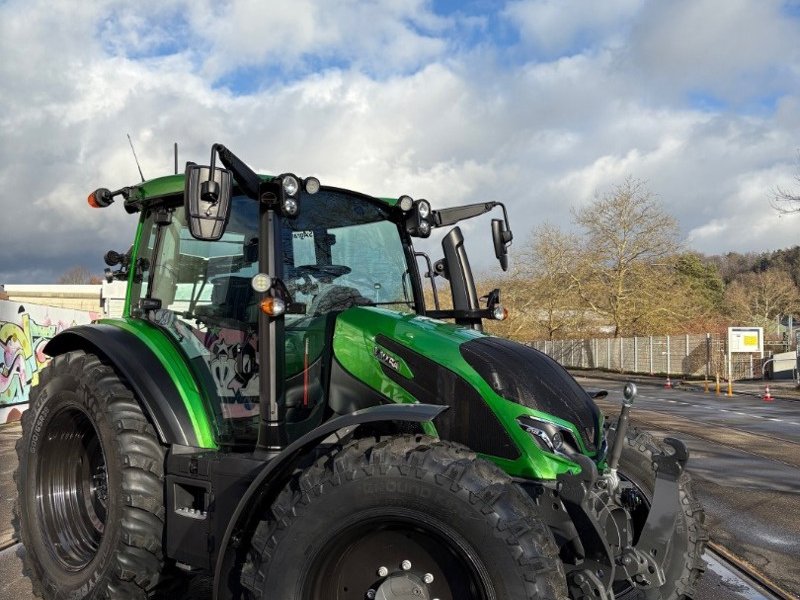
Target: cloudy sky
x=539, y=103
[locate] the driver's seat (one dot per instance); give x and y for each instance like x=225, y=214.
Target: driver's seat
x=336, y=298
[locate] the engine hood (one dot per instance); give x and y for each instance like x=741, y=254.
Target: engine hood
x=410, y=358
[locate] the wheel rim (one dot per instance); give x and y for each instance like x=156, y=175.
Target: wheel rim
x=638, y=518
x=368, y=560
x=71, y=489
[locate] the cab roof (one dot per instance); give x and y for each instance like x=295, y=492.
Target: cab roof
x=145, y=193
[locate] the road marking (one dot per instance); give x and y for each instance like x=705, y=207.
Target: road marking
x=773, y=419
x=672, y=401
x=736, y=412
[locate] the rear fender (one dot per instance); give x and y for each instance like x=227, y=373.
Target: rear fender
x=270, y=481
x=147, y=377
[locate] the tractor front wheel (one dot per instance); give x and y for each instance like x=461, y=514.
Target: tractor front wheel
x=403, y=517
x=684, y=564
x=90, y=508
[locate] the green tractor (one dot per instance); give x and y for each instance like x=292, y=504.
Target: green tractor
x=279, y=412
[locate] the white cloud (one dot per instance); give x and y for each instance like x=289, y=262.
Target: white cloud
x=737, y=49
x=558, y=26
x=394, y=109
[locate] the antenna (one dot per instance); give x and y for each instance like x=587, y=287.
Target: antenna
x=135, y=157
x=176, y=158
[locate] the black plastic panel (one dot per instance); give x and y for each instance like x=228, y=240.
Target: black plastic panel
x=469, y=421
x=531, y=378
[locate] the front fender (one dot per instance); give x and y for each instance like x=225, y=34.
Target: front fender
x=170, y=412
x=269, y=482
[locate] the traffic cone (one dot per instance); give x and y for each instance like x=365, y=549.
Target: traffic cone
x=767, y=396
x=667, y=384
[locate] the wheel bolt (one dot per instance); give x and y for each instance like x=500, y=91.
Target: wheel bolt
x=383, y=571
x=405, y=565
x=371, y=594
x=427, y=578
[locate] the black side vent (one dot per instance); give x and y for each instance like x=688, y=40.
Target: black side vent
x=469, y=421
x=531, y=378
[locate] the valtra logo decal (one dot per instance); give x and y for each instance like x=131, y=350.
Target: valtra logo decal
x=387, y=360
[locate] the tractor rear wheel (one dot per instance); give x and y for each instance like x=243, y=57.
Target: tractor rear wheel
x=684, y=564
x=403, y=517
x=90, y=508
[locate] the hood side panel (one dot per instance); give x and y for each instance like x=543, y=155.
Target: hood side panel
x=522, y=374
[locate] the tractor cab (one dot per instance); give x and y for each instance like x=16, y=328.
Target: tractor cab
x=277, y=259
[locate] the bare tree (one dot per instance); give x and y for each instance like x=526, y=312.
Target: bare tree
x=785, y=201
x=76, y=275
x=758, y=298
x=627, y=242
x=554, y=305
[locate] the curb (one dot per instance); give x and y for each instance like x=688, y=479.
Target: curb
x=693, y=385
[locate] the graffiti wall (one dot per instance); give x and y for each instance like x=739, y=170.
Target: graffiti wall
x=24, y=331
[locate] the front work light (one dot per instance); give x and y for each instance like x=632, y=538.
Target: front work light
x=424, y=209
x=405, y=203
x=290, y=207
x=290, y=185
x=312, y=185
x=417, y=222
x=261, y=282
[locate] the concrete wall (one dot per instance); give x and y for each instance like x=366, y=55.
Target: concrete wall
x=76, y=297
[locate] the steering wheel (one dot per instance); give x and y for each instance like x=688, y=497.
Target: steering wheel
x=325, y=273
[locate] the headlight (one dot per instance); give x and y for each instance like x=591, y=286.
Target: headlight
x=549, y=436
x=405, y=203
x=424, y=209
x=290, y=185
x=290, y=206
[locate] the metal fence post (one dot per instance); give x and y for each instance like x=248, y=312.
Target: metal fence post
x=668, y=359
x=608, y=353
x=635, y=355
x=651, y=355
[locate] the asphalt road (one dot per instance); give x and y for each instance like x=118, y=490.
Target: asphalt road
x=745, y=460
x=721, y=582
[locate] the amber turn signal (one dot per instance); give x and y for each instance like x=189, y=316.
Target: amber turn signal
x=274, y=307
x=100, y=198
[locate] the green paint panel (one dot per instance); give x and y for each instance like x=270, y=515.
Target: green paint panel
x=354, y=343
x=175, y=364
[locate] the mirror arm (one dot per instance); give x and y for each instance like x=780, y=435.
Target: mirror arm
x=451, y=216
x=247, y=179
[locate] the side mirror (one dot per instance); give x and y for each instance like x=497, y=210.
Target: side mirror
x=501, y=236
x=208, y=201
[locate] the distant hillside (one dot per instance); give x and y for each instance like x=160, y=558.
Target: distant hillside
x=732, y=264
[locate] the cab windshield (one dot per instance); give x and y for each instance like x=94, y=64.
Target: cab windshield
x=341, y=251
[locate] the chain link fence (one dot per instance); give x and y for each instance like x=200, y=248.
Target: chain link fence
x=693, y=356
